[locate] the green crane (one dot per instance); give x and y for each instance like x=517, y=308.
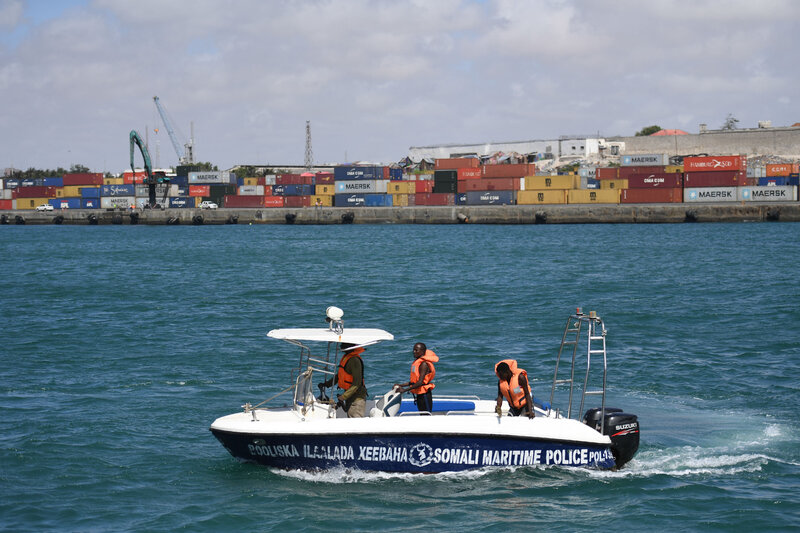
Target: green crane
x=152, y=178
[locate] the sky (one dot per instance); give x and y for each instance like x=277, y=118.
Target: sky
x=375, y=77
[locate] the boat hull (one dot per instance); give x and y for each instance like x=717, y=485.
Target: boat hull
x=414, y=453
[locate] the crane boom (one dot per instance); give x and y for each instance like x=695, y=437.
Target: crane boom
x=152, y=179
x=186, y=158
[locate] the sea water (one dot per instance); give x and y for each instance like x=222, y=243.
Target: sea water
x=120, y=346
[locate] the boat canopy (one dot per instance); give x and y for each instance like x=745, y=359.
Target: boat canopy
x=359, y=336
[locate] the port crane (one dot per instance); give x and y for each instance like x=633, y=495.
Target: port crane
x=184, y=157
x=152, y=178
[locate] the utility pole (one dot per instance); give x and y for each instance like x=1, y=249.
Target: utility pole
x=309, y=153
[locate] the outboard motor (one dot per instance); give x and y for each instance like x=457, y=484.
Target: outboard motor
x=623, y=428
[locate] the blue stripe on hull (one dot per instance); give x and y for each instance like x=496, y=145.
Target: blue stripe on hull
x=408, y=453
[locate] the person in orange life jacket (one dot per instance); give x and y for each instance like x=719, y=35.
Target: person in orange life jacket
x=513, y=386
x=420, y=381
x=350, y=378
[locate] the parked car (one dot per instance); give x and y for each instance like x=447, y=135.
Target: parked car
x=206, y=204
x=44, y=207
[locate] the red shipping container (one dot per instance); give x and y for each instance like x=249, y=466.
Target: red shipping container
x=609, y=173
x=718, y=163
x=435, y=198
x=292, y=179
x=423, y=186
x=296, y=201
x=34, y=192
x=273, y=201
x=457, y=162
x=128, y=177
x=730, y=178
x=626, y=172
x=469, y=173
x=199, y=190
x=652, y=196
x=261, y=181
x=783, y=169
x=244, y=201
x=489, y=184
x=509, y=171
x=645, y=181
x=323, y=178
x=6, y=204
x=94, y=178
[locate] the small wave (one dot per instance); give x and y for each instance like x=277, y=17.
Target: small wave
x=690, y=461
x=352, y=475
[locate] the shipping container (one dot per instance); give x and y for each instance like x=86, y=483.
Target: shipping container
x=112, y=181
x=603, y=196
x=30, y=203
x=647, y=181
x=774, y=181
x=509, y=171
x=661, y=195
x=644, y=160
x=144, y=190
x=69, y=191
x=54, y=182
x=720, y=163
x=321, y=200
x=32, y=182
x=489, y=184
x=710, y=194
x=323, y=178
x=182, y=202
x=445, y=176
x=587, y=172
x=349, y=200
x=251, y=190
x=122, y=190
x=540, y=183
x=550, y=196
x=250, y=182
x=378, y=200
x=243, y=201
x=626, y=172
x=11, y=183
x=361, y=186
x=434, y=199
x=447, y=187
x=400, y=200
x=783, y=169
x=293, y=179
x=607, y=173
x=297, y=201
x=729, y=178
x=90, y=203
x=6, y=204
x=91, y=192
x=400, y=187
x=457, y=162
x=95, y=179
x=672, y=169
x=35, y=191
x=222, y=177
x=121, y=202
x=199, y=190
x=590, y=183
x=350, y=173
x=776, y=193
x=614, y=184
x=469, y=173
x=66, y=203
x=273, y=201
x=6, y=194
x=504, y=197
x=325, y=189
x=423, y=186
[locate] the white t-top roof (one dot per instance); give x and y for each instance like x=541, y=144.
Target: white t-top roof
x=358, y=336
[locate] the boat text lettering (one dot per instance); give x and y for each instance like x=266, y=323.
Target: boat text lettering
x=283, y=450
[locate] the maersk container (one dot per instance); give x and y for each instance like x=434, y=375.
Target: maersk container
x=251, y=190
x=182, y=202
x=91, y=192
x=644, y=160
x=349, y=200
x=65, y=203
x=491, y=198
x=361, y=186
x=357, y=173
x=774, y=193
x=122, y=202
x=710, y=194
x=90, y=203
x=378, y=200
x=57, y=181
x=116, y=190
x=212, y=178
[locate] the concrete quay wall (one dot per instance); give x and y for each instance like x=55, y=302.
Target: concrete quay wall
x=777, y=141
x=509, y=214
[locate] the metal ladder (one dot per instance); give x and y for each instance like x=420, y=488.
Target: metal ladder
x=595, y=335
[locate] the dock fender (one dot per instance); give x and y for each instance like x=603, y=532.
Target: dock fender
x=134, y=219
x=233, y=219
x=116, y=219
x=290, y=218
x=347, y=218
x=4, y=219
x=197, y=220
x=540, y=217
x=173, y=221
x=691, y=216
x=19, y=220
x=58, y=220
x=92, y=218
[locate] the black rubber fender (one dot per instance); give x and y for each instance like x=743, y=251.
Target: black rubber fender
x=92, y=218
x=773, y=214
x=540, y=217
x=58, y=220
x=348, y=218
x=4, y=219
x=233, y=219
x=116, y=219
x=691, y=216
x=134, y=218
x=290, y=218
x=19, y=220
x=173, y=221
x=197, y=220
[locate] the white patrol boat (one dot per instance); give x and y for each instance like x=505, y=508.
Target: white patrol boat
x=460, y=433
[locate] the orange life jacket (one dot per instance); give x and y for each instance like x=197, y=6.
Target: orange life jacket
x=345, y=380
x=429, y=358
x=511, y=389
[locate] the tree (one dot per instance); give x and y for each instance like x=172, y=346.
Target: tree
x=204, y=166
x=648, y=130
x=730, y=122
x=78, y=169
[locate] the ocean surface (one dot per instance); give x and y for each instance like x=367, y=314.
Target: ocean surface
x=120, y=346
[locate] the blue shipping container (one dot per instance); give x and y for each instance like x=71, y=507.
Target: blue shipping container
x=54, y=182
x=296, y=190
x=461, y=198
x=186, y=201
x=357, y=173
x=11, y=183
x=378, y=200
x=66, y=203
x=592, y=183
x=90, y=203
x=349, y=200
x=491, y=198
x=395, y=173
x=278, y=190
x=90, y=192
x=34, y=182
x=239, y=182
x=118, y=190
x=183, y=181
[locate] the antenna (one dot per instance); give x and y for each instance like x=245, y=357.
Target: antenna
x=309, y=153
